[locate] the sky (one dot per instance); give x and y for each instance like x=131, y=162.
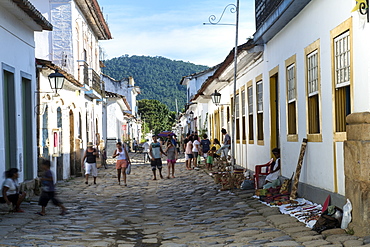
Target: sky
x=174, y=29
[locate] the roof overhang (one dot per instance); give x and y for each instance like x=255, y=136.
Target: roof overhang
x=94, y=16
x=50, y=65
x=278, y=19
x=121, y=100
x=27, y=13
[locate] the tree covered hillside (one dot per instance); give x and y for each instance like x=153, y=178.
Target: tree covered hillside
x=158, y=77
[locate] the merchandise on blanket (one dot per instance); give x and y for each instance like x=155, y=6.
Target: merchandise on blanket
x=305, y=211
x=286, y=185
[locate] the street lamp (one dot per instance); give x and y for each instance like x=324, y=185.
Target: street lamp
x=234, y=8
x=56, y=80
x=216, y=98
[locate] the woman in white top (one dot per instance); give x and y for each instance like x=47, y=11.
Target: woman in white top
x=122, y=161
x=10, y=193
x=275, y=167
x=196, y=147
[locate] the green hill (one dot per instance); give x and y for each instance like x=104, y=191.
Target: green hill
x=158, y=77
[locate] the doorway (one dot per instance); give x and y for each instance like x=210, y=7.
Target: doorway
x=274, y=111
x=72, y=153
x=10, y=120
x=60, y=158
x=27, y=113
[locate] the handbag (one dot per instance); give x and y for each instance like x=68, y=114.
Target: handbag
x=128, y=169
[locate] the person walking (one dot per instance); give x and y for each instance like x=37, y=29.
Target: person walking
x=171, y=152
x=122, y=162
x=10, y=193
x=134, y=144
x=155, y=151
x=146, y=150
x=189, y=152
x=48, y=190
x=206, y=146
x=196, y=150
x=90, y=165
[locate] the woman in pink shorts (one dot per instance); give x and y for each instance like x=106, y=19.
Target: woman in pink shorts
x=122, y=161
x=171, y=153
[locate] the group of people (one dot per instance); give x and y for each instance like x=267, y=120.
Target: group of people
x=196, y=148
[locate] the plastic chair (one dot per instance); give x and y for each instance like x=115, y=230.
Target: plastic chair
x=261, y=170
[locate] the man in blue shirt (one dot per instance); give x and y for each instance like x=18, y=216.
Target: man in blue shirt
x=155, y=151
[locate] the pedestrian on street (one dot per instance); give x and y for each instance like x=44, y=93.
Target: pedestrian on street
x=185, y=142
x=210, y=155
x=155, y=151
x=122, y=161
x=135, y=145
x=196, y=150
x=90, y=165
x=48, y=190
x=171, y=152
x=146, y=150
x=206, y=146
x=10, y=193
x=189, y=152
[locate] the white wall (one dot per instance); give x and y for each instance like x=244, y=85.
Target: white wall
x=17, y=41
x=311, y=24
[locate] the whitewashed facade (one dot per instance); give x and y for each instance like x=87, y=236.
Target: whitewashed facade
x=69, y=121
x=17, y=86
x=120, y=114
x=198, y=120
x=310, y=73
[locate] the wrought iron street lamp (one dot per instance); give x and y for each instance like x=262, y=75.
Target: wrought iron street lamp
x=216, y=98
x=234, y=8
x=56, y=80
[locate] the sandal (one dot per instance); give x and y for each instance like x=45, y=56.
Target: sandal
x=19, y=211
x=39, y=213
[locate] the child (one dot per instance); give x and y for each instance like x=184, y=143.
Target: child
x=210, y=154
x=171, y=152
x=48, y=190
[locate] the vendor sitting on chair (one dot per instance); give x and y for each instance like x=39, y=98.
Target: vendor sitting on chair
x=275, y=167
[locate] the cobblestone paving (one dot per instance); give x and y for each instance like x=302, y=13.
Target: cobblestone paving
x=188, y=210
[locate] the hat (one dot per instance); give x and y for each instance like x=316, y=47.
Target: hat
x=90, y=144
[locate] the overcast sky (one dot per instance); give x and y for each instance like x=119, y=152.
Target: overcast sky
x=174, y=29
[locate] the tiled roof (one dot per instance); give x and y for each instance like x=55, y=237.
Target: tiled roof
x=32, y=12
x=116, y=95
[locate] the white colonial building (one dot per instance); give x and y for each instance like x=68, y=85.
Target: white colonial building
x=120, y=118
x=18, y=22
x=303, y=75
x=72, y=118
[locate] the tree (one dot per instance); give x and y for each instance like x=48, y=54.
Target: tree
x=156, y=115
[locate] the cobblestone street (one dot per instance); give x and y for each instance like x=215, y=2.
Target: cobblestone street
x=188, y=210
